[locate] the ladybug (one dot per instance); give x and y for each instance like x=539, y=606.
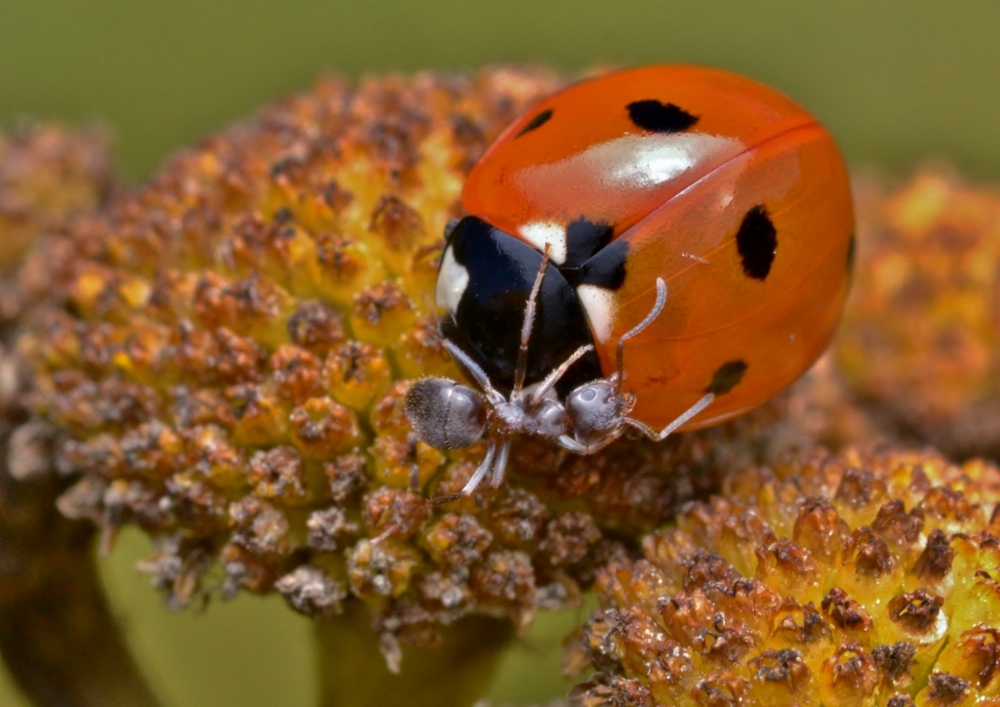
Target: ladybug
x=662, y=248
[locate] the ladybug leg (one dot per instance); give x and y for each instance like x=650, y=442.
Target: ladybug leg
x=501, y=463
x=529, y=321
x=574, y=445
x=661, y=300
x=483, y=380
x=550, y=380
x=484, y=466
x=681, y=419
x=567, y=442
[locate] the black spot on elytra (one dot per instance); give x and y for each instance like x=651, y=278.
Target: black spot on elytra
x=757, y=242
x=727, y=377
x=584, y=239
x=536, y=122
x=657, y=117
x=605, y=270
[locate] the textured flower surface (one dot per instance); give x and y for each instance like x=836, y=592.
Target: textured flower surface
x=861, y=578
x=225, y=355
x=58, y=636
x=47, y=175
x=220, y=358
x=920, y=333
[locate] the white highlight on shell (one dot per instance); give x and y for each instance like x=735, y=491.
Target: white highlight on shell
x=648, y=160
x=452, y=280
x=599, y=304
x=542, y=233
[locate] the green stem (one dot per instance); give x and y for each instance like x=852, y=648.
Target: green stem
x=454, y=673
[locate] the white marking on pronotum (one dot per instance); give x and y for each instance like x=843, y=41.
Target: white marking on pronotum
x=599, y=304
x=542, y=233
x=696, y=257
x=451, y=283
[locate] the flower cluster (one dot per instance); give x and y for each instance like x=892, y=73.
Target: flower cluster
x=922, y=329
x=863, y=578
x=47, y=175
x=225, y=354
x=221, y=359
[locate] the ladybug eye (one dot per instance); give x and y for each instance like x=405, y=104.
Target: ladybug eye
x=445, y=414
x=594, y=409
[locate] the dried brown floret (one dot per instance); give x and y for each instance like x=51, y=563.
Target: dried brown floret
x=946, y=689
x=849, y=676
x=916, y=611
x=312, y=591
x=894, y=661
x=846, y=613
x=935, y=561
x=907, y=603
x=869, y=554
x=47, y=174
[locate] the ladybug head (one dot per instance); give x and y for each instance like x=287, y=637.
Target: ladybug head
x=484, y=281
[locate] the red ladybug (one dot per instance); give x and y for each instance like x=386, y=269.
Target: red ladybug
x=698, y=215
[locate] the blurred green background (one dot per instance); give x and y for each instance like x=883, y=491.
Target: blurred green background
x=897, y=81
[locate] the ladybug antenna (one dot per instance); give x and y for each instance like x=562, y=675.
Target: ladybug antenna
x=702, y=403
x=529, y=320
x=661, y=300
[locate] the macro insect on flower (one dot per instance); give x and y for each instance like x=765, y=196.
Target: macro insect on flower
x=662, y=248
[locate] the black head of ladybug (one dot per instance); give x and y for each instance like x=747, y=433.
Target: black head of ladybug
x=484, y=282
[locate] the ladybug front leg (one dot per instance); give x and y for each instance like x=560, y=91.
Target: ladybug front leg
x=574, y=445
x=483, y=380
x=672, y=427
x=484, y=467
x=500, y=465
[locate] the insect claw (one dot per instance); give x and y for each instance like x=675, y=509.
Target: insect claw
x=481, y=470
x=501, y=464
